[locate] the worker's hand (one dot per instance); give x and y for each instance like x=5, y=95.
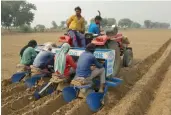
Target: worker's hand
x=93, y=67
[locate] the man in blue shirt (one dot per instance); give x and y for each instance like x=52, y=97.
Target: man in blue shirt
x=95, y=27
x=86, y=71
x=44, y=58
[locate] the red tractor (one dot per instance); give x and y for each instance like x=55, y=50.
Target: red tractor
x=109, y=40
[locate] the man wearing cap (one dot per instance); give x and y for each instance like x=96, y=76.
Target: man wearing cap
x=95, y=26
x=76, y=26
x=86, y=71
x=44, y=59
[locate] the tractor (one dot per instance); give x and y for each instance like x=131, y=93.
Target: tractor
x=111, y=39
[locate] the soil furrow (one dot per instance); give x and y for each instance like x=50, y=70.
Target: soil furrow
x=138, y=98
x=34, y=104
x=162, y=102
x=16, y=104
x=6, y=82
x=62, y=110
x=13, y=97
x=48, y=107
x=12, y=89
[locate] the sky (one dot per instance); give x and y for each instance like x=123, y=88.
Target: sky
x=138, y=11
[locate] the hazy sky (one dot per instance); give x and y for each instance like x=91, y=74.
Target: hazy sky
x=136, y=11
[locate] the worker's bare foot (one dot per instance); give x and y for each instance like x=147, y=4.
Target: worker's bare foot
x=101, y=90
x=102, y=87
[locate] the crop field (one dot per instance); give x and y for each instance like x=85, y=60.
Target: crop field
x=145, y=89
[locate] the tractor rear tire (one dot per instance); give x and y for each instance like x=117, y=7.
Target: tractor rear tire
x=117, y=62
x=127, y=58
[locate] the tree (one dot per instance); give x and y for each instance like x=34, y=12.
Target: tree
x=111, y=21
x=17, y=13
x=125, y=22
x=62, y=24
x=164, y=25
x=25, y=28
x=54, y=25
x=40, y=28
x=6, y=14
x=135, y=25
x=147, y=23
x=104, y=22
x=150, y=24
x=24, y=15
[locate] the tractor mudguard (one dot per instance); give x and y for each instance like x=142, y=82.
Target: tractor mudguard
x=66, y=39
x=100, y=40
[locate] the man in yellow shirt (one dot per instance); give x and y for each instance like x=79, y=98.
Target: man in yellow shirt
x=76, y=26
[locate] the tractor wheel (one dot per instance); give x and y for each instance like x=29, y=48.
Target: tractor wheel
x=117, y=61
x=127, y=58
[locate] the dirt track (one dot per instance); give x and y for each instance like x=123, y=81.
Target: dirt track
x=162, y=102
x=137, y=95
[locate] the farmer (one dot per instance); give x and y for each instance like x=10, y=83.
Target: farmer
x=95, y=26
x=64, y=64
x=76, y=26
x=43, y=60
x=27, y=55
x=85, y=71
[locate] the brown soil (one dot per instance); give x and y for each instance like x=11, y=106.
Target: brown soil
x=135, y=96
x=138, y=98
x=162, y=102
x=48, y=107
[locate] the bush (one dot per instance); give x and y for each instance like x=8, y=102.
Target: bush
x=26, y=29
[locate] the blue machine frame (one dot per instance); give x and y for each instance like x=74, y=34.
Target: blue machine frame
x=94, y=99
x=107, y=54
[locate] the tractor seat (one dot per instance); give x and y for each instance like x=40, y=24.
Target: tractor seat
x=90, y=35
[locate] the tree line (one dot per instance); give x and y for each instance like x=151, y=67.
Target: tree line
x=128, y=23
x=16, y=13
x=20, y=14
x=150, y=24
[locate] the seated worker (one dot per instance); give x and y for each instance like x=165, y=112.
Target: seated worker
x=76, y=26
x=64, y=64
x=27, y=56
x=95, y=26
x=43, y=60
x=85, y=71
